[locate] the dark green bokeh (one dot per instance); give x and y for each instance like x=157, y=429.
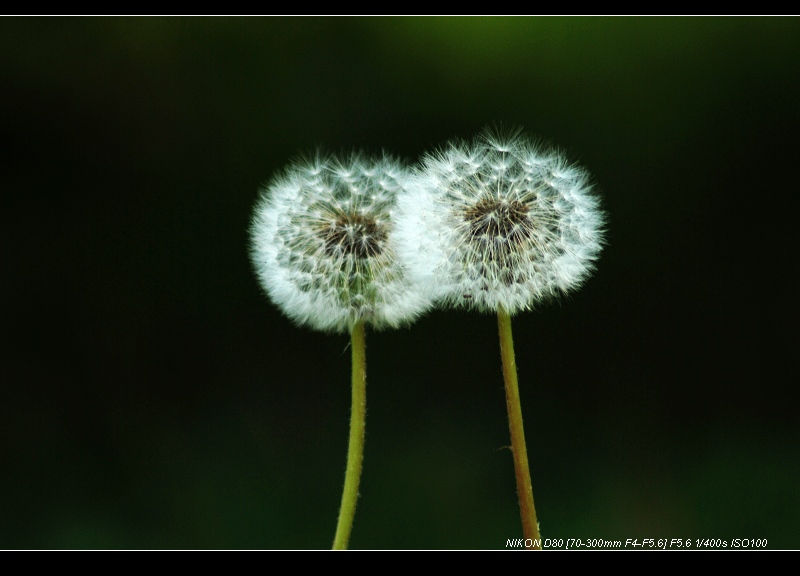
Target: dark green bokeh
x=152, y=397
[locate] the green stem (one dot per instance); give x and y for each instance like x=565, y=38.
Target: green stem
x=530, y=526
x=355, y=450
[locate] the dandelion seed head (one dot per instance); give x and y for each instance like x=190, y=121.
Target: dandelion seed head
x=499, y=222
x=322, y=244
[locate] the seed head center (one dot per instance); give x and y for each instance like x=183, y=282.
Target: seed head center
x=354, y=234
x=498, y=220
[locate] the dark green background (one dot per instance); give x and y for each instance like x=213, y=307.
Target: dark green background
x=152, y=397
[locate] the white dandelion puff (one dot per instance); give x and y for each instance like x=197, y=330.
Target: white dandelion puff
x=499, y=223
x=323, y=244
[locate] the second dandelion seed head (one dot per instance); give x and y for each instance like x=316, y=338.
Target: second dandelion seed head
x=499, y=223
x=323, y=247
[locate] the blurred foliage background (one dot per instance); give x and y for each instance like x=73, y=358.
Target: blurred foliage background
x=152, y=397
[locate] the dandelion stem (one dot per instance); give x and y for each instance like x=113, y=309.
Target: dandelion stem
x=355, y=450
x=530, y=526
